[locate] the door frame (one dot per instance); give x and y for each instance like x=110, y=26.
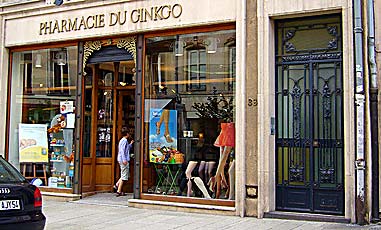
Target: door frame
x=90, y=47
x=93, y=160
x=129, y=90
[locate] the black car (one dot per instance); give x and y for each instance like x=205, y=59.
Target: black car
x=20, y=201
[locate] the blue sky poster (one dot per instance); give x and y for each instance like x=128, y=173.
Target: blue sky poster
x=163, y=129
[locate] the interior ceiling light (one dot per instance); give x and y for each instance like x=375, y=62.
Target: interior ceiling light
x=179, y=49
x=212, y=45
x=38, y=62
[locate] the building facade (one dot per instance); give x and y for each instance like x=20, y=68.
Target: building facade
x=254, y=108
x=313, y=135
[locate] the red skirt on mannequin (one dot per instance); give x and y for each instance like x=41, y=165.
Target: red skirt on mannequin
x=227, y=135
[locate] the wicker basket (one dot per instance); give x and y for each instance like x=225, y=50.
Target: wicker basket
x=179, y=158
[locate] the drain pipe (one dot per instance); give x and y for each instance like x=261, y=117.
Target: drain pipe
x=373, y=86
x=359, y=114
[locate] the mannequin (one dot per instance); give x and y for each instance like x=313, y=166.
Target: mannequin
x=230, y=194
x=188, y=174
x=222, y=108
x=226, y=142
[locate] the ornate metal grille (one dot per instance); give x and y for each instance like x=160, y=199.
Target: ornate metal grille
x=309, y=141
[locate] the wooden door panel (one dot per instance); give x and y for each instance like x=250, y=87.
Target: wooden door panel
x=103, y=174
x=86, y=177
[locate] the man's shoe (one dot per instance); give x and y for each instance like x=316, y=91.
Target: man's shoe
x=120, y=194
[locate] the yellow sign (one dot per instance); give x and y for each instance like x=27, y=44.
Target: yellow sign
x=33, y=143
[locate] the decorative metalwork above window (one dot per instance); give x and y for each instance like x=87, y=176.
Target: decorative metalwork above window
x=298, y=39
x=307, y=57
x=128, y=43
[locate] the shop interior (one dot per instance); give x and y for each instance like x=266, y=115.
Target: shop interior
x=189, y=88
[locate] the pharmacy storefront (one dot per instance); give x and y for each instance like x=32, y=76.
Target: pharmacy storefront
x=82, y=73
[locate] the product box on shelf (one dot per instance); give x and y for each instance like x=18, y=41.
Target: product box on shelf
x=52, y=182
x=60, y=182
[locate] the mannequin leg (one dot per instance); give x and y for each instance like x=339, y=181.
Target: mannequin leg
x=209, y=169
x=232, y=180
x=201, y=170
x=188, y=174
x=224, y=153
x=201, y=186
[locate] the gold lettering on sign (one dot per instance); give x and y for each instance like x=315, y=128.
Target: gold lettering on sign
x=90, y=22
x=119, y=17
x=154, y=13
x=166, y=12
x=101, y=21
x=73, y=24
x=82, y=23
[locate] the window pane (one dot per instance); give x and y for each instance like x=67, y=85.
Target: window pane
x=189, y=99
x=126, y=73
x=202, y=57
x=43, y=90
x=104, y=139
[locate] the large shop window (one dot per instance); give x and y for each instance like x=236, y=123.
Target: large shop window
x=189, y=115
x=42, y=108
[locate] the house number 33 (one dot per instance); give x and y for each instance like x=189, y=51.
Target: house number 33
x=252, y=102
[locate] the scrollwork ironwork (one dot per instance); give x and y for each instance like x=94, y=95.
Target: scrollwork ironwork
x=89, y=48
x=308, y=57
x=326, y=100
x=296, y=94
x=327, y=175
x=296, y=173
x=129, y=44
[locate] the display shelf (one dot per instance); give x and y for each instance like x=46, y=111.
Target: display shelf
x=59, y=167
x=57, y=160
x=104, y=123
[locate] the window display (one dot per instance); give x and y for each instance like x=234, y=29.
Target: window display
x=43, y=89
x=189, y=115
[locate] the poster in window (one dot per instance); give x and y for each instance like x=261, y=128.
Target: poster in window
x=33, y=143
x=66, y=107
x=162, y=134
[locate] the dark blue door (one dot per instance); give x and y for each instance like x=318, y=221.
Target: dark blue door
x=309, y=105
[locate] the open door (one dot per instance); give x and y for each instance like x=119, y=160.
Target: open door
x=109, y=108
x=125, y=121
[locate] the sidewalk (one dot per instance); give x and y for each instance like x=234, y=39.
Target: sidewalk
x=105, y=211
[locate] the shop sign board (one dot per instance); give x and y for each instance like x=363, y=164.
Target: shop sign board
x=48, y=25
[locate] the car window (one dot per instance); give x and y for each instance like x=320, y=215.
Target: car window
x=9, y=174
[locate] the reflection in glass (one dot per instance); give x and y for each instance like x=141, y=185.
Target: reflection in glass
x=104, y=130
x=42, y=80
x=126, y=73
x=189, y=92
